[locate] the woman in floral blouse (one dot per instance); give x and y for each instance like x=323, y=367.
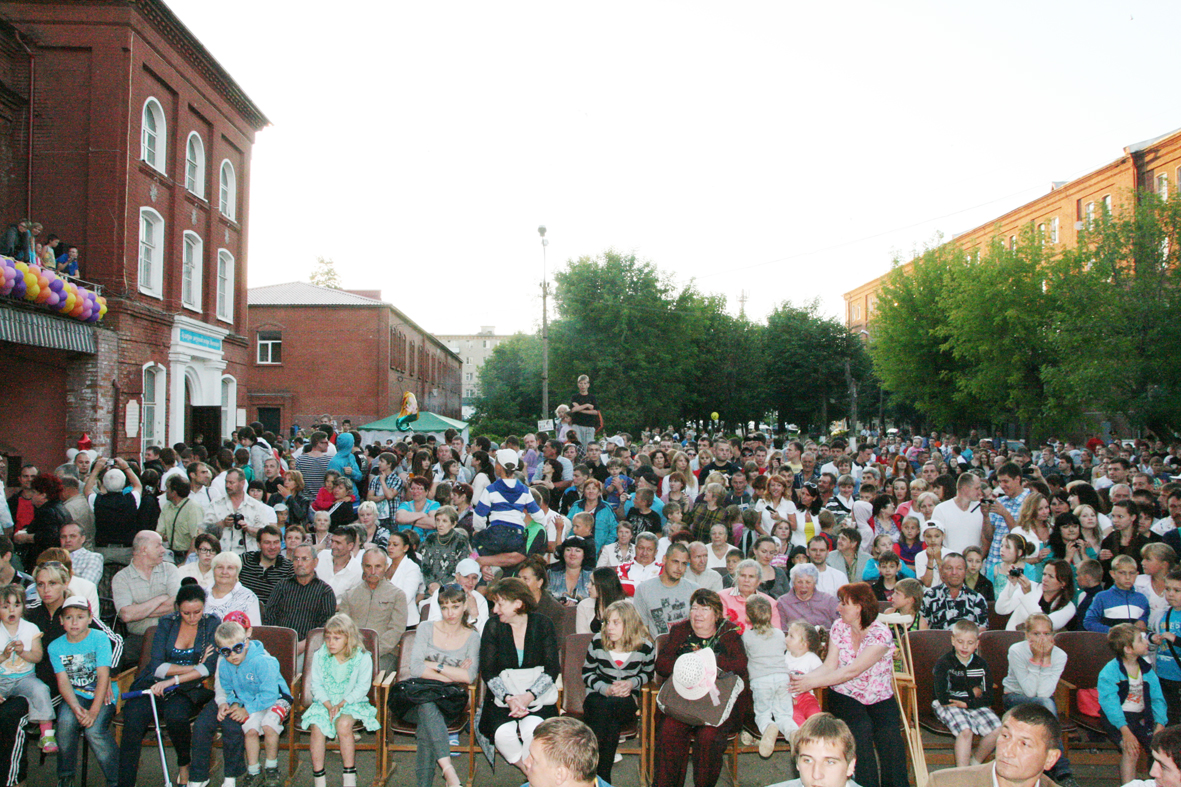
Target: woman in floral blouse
x=859, y=670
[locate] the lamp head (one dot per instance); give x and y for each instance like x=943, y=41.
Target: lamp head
x=541, y=230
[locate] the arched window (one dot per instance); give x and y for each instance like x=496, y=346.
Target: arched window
x=153, y=133
x=151, y=253
x=195, y=165
x=225, y=286
x=191, y=265
x=155, y=378
x=227, y=201
x=229, y=403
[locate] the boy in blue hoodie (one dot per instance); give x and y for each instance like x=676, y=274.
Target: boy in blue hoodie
x=1120, y=603
x=1131, y=698
x=251, y=700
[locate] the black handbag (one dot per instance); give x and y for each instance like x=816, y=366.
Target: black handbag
x=449, y=698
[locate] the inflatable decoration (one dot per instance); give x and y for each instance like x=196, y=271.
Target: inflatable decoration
x=409, y=413
x=35, y=284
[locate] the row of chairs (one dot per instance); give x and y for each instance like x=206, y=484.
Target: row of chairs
x=1086, y=655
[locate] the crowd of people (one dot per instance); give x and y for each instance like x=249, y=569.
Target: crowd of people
x=766, y=560
x=22, y=242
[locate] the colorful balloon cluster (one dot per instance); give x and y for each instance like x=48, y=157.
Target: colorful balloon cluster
x=34, y=283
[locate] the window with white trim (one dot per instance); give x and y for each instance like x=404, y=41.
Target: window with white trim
x=270, y=346
x=1041, y=234
x=153, y=134
x=195, y=165
x=225, y=286
x=1012, y=243
x=227, y=201
x=1054, y=230
x=1089, y=215
x=1107, y=204
x=152, y=412
x=1162, y=185
x=190, y=271
x=151, y=253
x=229, y=401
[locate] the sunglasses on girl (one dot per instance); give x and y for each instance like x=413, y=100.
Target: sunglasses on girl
x=234, y=650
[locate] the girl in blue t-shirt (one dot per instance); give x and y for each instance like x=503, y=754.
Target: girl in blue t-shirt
x=82, y=663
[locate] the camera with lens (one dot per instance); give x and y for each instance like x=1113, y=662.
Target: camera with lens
x=1015, y=572
x=239, y=521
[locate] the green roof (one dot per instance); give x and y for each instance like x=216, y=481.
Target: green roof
x=427, y=422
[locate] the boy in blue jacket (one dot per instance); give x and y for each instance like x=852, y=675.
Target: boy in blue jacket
x=1119, y=604
x=1131, y=698
x=251, y=700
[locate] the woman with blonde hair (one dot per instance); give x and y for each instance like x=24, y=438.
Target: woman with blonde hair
x=680, y=463
x=1033, y=523
x=621, y=658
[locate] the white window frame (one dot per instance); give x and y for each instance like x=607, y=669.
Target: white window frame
x=1107, y=203
x=1012, y=243
x=152, y=410
x=151, y=253
x=1054, y=230
x=228, y=392
x=1089, y=214
x=153, y=142
x=195, y=165
x=270, y=346
x=1162, y=185
x=191, y=266
x=227, y=199
x=225, y=286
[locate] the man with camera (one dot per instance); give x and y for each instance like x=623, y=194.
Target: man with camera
x=1002, y=511
x=237, y=517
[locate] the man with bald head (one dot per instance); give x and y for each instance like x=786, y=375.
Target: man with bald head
x=699, y=571
x=144, y=591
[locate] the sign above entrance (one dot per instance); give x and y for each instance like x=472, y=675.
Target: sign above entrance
x=202, y=340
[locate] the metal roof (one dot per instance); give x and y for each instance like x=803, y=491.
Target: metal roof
x=299, y=293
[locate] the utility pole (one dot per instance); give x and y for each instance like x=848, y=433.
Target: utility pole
x=544, y=328
x=742, y=303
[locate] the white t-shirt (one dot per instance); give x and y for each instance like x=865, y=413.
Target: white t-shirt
x=14, y=665
x=920, y=568
x=1157, y=606
x=801, y=665
x=831, y=580
x=961, y=529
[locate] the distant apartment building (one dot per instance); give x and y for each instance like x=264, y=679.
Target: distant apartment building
x=1058, y=216
x=474, y=349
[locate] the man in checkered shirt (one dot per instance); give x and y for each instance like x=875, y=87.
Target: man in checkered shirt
x=86, y=564
x=1003, y=510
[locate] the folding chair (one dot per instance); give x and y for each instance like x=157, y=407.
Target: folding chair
x=1086, y=655
x=394, y=726
x=574, y=694
x=303, y=700
x=994, y=649
x=926, y=648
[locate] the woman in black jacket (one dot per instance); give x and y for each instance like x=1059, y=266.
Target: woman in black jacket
x=49, y=514
x=183, y=656
x=519, y=664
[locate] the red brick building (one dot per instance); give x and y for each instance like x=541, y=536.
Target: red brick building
x=1057, y=216
x=120, y=133
x=343, y=354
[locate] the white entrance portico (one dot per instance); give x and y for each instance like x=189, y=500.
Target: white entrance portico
x=198, y=383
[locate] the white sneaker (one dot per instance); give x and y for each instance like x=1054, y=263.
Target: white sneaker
x=767, y=742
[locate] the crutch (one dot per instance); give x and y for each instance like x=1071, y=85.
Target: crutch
x=905, y=691
x=159, y=732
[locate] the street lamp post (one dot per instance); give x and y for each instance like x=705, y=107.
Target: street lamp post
x=544, y=328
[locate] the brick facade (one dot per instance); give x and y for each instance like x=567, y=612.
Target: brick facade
x=348, y=360
x=90, y=70
x=1058, y=215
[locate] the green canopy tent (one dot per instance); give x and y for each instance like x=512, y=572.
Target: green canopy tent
x=427, y=423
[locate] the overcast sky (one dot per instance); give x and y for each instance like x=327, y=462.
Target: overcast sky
x=784, y=149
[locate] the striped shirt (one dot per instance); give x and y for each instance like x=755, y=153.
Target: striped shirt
x=313, y=469
x=601, y=669
x=263, y=580
x=300, y=607
x=505, y=503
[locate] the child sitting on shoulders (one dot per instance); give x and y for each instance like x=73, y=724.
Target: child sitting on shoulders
x=963, y=695
x=1130, y=696
x=770, y=681
x=341, y=675
x=22, y=649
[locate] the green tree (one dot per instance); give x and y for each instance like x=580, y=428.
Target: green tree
x=325, y=274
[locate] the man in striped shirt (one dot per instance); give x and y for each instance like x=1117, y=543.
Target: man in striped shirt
x=303, y=601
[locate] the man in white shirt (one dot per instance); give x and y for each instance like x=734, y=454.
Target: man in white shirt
x=643, y=568
x=699, y=571
x=337, y=565
x=831, y=579
x=237, y=517
x=961, y=517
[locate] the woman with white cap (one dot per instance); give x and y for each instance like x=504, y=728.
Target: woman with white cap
x=467, y=576
x=718, y=646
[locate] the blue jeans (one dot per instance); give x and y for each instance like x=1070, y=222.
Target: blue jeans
x=1061, y=768
x=232, y=741
x=499, y=539
x=98, y=735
